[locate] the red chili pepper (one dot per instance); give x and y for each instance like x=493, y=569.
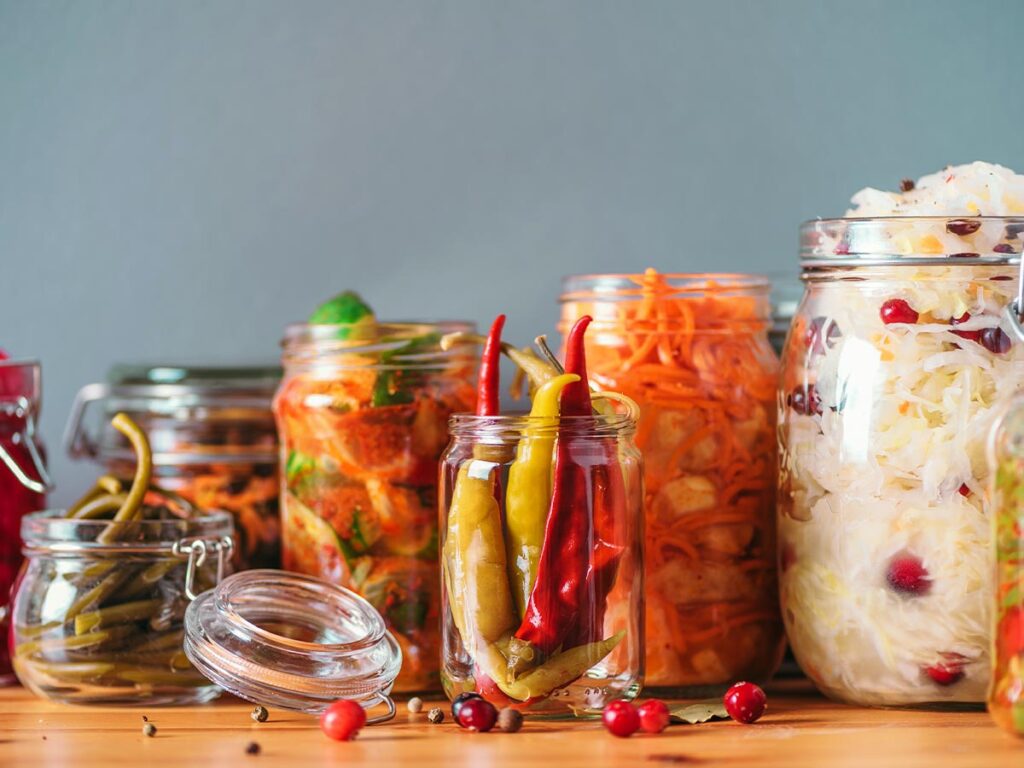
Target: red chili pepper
x=554, y=605
x=609, y=500
x=488, y=397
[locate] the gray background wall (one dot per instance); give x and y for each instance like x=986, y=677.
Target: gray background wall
x=180, y=179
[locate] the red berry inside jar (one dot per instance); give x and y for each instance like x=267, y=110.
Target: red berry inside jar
x=745, y=702
x=906, y=574
x=621, y=719
x=948, y=671
x=898, y=311
x=994, y=340
x=805, y=401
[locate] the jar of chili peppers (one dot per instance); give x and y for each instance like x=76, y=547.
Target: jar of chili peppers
x=361, y=413
x=542, y=542
x=1006, y=491
x=23, y=477
x=693, y=351
x=213, y=437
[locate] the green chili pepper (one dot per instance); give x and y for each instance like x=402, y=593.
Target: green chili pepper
x=529, y=489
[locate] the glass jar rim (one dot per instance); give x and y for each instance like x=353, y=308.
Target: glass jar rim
x=381, y=346
x=915, y=240
x=513, y=426
x=49, y=530
x=227, y=641
x=625, y=286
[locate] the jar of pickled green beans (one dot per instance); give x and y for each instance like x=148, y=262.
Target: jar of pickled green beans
x=97, y=618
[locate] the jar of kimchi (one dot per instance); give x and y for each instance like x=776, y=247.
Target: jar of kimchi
x=213, y=438
x=23, y=477
x=693, y=352
x=362, y=415
x=1006, y=492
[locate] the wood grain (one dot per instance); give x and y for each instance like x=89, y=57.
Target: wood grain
x=800, y=729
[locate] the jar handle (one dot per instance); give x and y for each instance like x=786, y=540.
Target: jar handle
x=22, y=409
x=77, y=442
x=196, y=551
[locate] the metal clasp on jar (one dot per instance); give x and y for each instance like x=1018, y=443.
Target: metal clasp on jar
x=21, y=408
x=196, y=552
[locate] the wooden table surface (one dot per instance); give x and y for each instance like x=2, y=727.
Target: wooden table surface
x=799, y=729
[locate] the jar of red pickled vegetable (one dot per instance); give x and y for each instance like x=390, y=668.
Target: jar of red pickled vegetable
x=693, y=351
x=1006, y=489
x=362, y=414
x=530, y=505
x=23, y=477
x=897, y=357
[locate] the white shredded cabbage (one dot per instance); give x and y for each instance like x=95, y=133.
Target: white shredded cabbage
x=905, y=414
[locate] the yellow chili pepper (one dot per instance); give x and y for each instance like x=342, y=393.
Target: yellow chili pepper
x=529, y=488
x=474, y=560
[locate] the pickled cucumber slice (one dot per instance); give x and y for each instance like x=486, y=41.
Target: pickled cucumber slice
x=309, y=543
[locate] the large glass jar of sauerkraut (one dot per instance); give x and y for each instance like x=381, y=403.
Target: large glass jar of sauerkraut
x=898, y=352
x=692, y=350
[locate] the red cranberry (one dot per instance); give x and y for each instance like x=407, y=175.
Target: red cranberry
x=994, y=340
x=621, y=718
x=898, y=311
x=1002, y=248
x=461, y=699
x=477, y=715
x=654, y=716
x=745, y=702
x=969, y=335
x=965, y=255
x=907, y=574
x=806, y=401
x=963, y=227
x=948, y=671
x=964, y=490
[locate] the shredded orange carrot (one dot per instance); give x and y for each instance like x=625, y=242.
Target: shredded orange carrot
x=699, y=365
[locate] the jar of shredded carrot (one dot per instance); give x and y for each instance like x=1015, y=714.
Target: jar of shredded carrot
x=693, y=351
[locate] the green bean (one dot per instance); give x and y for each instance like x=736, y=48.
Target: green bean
x=99, y=592
x=99, y=506
x=160, y=642
x=116, y=614
x=144, y=584
x=73, y=670
x=158, y=676
x=132, y=505
x=88, y=496
x=95, y=639
x=36, y=630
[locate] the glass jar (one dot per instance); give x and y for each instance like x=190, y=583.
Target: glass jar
x=23, y=478
x=362, y=414
x=102, y=623
x=530, y=647
x=213, y=437
x=1006, y=464
x=693, y=351
x=293, y=642
x=897, y=355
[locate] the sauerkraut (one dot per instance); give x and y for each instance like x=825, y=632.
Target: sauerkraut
x=892, y=372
